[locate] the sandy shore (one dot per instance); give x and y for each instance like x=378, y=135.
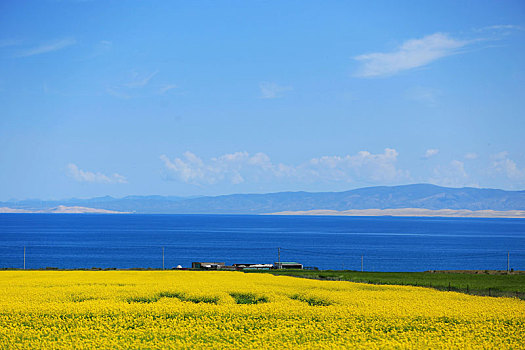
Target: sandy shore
x=463, y=213
x=61, y=209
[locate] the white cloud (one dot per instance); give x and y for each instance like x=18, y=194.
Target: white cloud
x=500, y=155
x=430, y=153
x=411, y=54
x=471, y=156
x=232, y=168
x=452, y=175
x=87, y=176
x=272, y=90
x=502, y=164
x=48, y=47
x=240, y=167
x=363, y=167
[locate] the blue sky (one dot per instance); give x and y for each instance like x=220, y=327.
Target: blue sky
x=216, y=97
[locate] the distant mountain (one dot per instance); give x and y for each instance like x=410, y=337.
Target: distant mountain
x=422, y=196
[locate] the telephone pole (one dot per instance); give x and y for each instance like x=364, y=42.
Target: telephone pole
x=279, y=258
x=362, y=263
x=508, y=261
x=24, y=257
x=163, y=258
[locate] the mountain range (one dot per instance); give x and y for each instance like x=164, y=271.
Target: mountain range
x=420, y=196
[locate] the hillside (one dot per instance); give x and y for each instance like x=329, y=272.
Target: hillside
x=421, y=196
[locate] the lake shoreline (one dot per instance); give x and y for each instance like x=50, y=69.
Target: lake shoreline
x=410, y=212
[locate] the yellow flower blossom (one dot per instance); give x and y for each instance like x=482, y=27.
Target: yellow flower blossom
x=233, y=310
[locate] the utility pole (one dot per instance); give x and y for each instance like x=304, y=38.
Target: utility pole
x=508, y=261
x=362, y=263
x=163, y=258
x=279, y=258
x=24, y=257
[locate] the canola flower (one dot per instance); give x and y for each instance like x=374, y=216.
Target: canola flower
x=233, y=310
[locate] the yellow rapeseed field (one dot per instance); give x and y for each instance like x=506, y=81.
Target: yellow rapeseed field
x=233, y=310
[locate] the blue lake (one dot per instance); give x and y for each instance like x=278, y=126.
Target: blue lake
x=384, y=243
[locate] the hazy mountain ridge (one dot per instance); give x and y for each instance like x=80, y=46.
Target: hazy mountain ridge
x=422, y=196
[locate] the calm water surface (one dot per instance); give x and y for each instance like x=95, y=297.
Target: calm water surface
x=385, y=243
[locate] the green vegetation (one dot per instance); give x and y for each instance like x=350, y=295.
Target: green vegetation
x=142, y=299
x=312, y=301
x=480, y=284
x=248, y=298
x=180, y=296
x=80, y=298
x=168, y=294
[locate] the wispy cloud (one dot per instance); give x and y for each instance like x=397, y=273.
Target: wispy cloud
x=9, y=42
x=419, y=52
x=504, y=27
x=139, y=80
x=411, y=54
x=87, y=176
x=136, y=84
x=427, y=96
x=167, y=88
x=115, y=92
x=240, y=167
x=471, y=156
x=271, y=90
x=500, y=29
x=47, y=47
x=430, y=153
x=99, y=49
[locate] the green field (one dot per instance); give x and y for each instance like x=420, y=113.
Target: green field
x=480, y=284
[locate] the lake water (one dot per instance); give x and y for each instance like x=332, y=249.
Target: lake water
x=383, y=243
